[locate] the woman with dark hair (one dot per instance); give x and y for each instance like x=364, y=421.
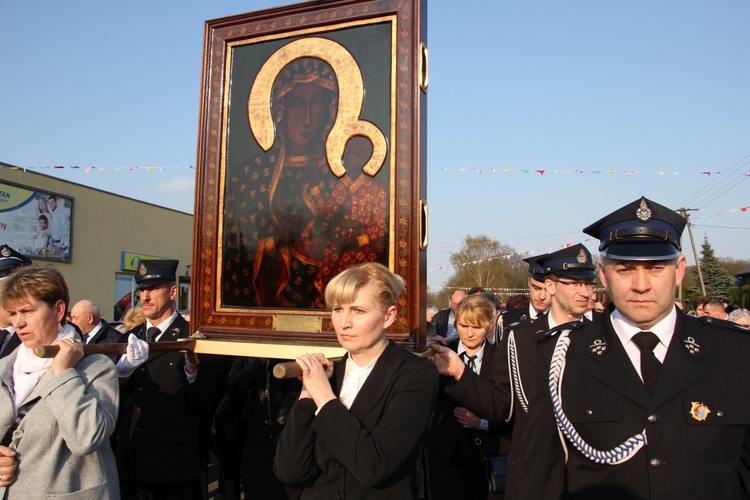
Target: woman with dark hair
x=56, y=414
x=358, y=435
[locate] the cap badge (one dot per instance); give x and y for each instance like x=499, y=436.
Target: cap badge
x=692, y=346
x=643, y=213
x=142, y=269
x=598, y=347
x=699, y=411
x=6, y=252
x=581, y=258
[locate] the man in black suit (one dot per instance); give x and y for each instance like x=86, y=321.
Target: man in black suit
x=444, y=320
x=10, y=260
x=645, y=403
x=94, y=330
x=158, y=445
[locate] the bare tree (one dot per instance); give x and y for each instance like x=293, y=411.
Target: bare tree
x=483, y=261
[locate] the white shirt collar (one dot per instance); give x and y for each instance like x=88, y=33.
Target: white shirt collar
x=480, y=355
x=664, y=329
x=163, y=325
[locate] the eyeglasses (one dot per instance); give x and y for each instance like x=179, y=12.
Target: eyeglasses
x=576, y=285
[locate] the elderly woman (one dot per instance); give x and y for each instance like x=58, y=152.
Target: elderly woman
x=740, y=316
x=455, y=467
x=358, y=434
x=56, y=414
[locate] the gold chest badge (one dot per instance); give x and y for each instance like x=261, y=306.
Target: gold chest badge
x=699, y=411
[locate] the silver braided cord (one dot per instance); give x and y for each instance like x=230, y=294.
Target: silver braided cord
x=515, y=376
x=620, y=453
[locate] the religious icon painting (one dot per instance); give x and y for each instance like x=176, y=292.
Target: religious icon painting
x=310, y=160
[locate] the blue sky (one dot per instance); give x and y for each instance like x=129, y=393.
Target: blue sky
x=644, y=86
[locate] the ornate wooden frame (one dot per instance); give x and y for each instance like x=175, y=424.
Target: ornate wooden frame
x=381, y=42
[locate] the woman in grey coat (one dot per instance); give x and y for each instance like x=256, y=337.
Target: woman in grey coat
x=56, y=415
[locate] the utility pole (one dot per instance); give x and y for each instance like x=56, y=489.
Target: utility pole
x=683, y=212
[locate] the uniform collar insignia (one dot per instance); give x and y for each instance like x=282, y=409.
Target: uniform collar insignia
x=598, y=347
x=643, y=213
x=699, y=411
x=692, y=347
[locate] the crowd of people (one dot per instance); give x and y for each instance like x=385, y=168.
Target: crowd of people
x=719, y=309
x=611, y=393
x=584, y=393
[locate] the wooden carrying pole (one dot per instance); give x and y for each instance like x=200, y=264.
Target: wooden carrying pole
x=49, y=351
x=198, y=346
x=290, y=369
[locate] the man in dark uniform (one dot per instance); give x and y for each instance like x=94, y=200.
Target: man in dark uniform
x=539, y=299
x=10, y=260
x=569, y=276
x=158, y=439
x=644, y=403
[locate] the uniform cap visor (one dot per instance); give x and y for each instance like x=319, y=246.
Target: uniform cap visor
x=152, y=282
x=579, y=274
x=640, y=251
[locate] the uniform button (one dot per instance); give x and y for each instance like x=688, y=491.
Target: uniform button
x=338, y=463
x=652, y=419
x=140, y=388
x=720, y=414
x=339, y=496
x=589, y=412
x=655, y=462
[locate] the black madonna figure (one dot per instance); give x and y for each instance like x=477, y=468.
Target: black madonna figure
x=278, y=218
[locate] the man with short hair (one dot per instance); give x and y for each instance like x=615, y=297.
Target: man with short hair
x=714, y=308
x=445, y=321
x=645, y=402
x=158, y=442
x=539, y=299
x=10, y=260
x=569, y=280
x=59, y=224
x=86, y=316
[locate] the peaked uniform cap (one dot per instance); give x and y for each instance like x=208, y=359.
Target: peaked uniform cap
x=573, y=262
x=536, y=271
x=10, y=260
x=642, y=230
x=155, y=272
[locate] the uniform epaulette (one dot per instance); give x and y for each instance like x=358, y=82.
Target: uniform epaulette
x=573, y=325
x=721, y=323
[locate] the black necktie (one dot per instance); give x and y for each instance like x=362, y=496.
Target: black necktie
x=152, y=333
x=3, y=334
x=646, y=341
x=469, y=360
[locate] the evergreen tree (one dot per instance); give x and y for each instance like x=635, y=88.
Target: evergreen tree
x=717, y=280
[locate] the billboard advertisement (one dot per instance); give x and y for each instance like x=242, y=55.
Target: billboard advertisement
x=36, y=223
